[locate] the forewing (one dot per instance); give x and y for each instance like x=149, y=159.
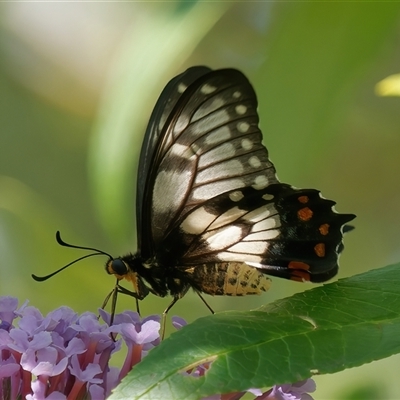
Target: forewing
x=210, y=144
x=287, y=232
x=165, y=104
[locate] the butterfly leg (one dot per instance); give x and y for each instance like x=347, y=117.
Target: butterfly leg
x=164, y=315
x=121, y=289
x=113, y=294
x=177, y=295
x=205, y=302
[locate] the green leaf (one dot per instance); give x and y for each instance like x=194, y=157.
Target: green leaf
x=324, y=330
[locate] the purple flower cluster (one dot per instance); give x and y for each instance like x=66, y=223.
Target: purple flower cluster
x=66, y=356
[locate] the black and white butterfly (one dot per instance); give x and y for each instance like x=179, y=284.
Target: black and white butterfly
x=211, y=213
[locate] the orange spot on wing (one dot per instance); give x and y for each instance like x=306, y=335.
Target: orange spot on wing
x=299, y=271
x=320, y=249
x=305, y=214
x=298, y=265
x=300, y=276
x=303, y=199
x=324, y=229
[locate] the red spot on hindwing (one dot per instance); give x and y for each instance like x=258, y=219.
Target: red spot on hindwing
x=305, y=214
x=299, y=265
x=303, y=199
x=320, y=249
x=299, y=271
x=324, y=229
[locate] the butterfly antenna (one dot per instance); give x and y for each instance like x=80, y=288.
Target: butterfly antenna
x=73, y=246
x=44, y=278
x=62, y=243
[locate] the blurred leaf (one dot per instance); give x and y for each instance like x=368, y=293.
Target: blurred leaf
x=389, y=86
x=369, y=391
x=140, y=73
x=34, y=251
x=318, y=53
x=324, y=330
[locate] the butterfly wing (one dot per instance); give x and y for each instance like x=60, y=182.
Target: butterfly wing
x=282, y=231
x=209, y=144
x=163, y=108
x=209, y=194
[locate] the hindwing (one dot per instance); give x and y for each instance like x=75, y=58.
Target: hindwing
x=283, y=231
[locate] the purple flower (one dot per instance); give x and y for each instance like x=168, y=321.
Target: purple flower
x=39, y=392
x=8, y=306
x=43, y=362
x=139, y=336
x=295, y=391
x=178, y=322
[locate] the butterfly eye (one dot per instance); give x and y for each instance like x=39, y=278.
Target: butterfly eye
x=117, y=267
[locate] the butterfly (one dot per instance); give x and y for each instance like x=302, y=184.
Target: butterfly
x=211, y=212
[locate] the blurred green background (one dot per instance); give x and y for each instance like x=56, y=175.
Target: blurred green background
x=77, y=85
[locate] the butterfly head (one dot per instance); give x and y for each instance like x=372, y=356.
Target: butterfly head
x=129, y=267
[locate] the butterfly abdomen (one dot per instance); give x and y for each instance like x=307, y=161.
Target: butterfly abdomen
x=227, y=278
